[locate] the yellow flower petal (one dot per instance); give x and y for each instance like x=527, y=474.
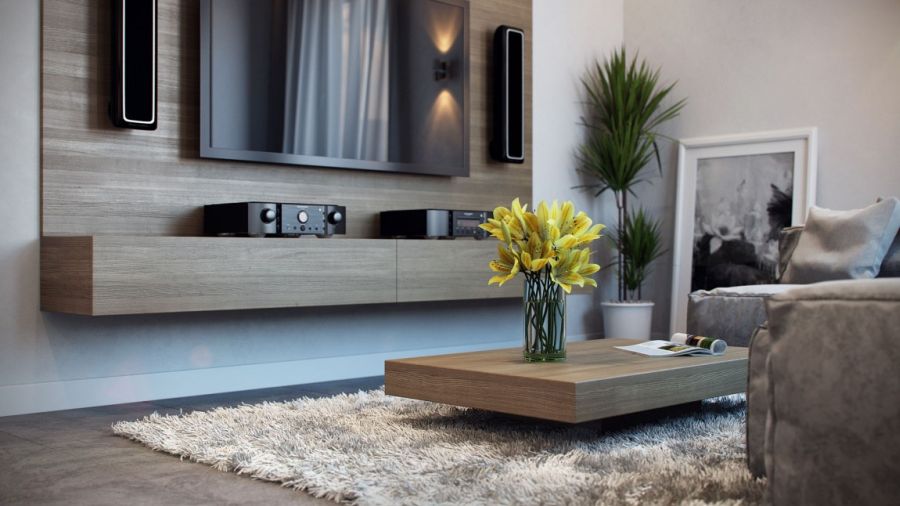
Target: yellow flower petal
x=589, y=269
x=500, y=213
x=507, y=235
x=497, y=279
x=543, y=214
x=537, y=265
x=565, y=216
x=526, y=260
x=507, y=256
x=565, y=242
x=518, y=211
x=534, y=226
x=584, y=256
x=503, y=279
x=580, y=224
x=554, y=233
x=499, y=267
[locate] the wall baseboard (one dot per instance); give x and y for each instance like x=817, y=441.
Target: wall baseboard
x=82, y=393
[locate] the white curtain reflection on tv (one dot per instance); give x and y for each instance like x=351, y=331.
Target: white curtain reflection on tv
x=337, y=85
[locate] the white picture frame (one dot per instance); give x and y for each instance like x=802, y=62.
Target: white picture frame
x=802, y=142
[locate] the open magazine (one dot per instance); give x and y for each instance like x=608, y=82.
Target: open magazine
x=679, y=344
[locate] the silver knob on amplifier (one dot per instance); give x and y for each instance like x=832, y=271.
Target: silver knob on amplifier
x=335, y=217
x=302, y=216
x=267, y=215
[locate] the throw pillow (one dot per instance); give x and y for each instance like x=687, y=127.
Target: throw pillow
x=890, y=268
x=843, y=244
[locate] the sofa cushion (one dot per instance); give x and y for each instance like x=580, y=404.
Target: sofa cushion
x=843, y=244
x=730, y=313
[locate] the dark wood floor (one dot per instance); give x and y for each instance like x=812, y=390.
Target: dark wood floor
x=72, y=457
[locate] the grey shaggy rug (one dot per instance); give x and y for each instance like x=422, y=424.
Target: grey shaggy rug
x=368, y=448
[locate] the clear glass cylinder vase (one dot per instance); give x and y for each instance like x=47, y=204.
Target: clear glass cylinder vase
x=545, y=319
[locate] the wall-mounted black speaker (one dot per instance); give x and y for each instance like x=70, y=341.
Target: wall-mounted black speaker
x=508, y=144
x=133, y=103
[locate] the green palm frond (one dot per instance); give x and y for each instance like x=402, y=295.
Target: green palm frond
x=624, y=102
x=641, y=244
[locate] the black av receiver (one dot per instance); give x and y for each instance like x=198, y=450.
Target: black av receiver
x=262, y=219
x=433, y=224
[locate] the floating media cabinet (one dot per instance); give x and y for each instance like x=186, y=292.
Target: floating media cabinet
x=115, y=275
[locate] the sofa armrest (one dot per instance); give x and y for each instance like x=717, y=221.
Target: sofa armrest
x=833, y=428
x=730, y=313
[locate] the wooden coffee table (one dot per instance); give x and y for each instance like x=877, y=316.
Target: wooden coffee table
x=596, y=381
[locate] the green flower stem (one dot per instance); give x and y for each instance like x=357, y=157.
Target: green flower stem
x=544, y=318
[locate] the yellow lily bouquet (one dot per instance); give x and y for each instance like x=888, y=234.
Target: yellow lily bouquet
x=549, y=246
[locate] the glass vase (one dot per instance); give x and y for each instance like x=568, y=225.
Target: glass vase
x=545, y=319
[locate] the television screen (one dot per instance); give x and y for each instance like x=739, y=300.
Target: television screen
x=356, y=84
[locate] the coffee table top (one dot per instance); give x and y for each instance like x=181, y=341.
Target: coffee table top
x=596, y=381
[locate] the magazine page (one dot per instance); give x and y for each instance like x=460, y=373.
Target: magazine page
x=680, y=344
x=716, y=346
x=663, y=349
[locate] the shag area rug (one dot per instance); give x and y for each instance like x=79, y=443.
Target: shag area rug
x=368, y=448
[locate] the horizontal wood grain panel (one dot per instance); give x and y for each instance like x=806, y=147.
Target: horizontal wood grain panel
x=596, y=380
x=67, y=274
x=117, y=274
x=143, y=274
x=465, y=388
x=449, y=270
x=659, y=389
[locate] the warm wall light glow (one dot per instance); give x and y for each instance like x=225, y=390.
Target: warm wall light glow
x=444, y=26
x=444, y=119
x=445, y=107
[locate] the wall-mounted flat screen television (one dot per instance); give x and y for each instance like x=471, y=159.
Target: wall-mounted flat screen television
x=355, y=84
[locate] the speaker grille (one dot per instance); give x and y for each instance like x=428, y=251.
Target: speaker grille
x=508, y=144
x=515, y=116
x=134, y=64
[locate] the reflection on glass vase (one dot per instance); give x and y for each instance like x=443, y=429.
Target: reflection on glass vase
x=545, y=318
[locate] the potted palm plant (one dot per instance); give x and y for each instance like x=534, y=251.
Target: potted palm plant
x=625, y=108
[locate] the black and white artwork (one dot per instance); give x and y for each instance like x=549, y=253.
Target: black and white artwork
x=741, y=205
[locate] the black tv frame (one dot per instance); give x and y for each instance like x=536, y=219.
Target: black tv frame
x=208, y=151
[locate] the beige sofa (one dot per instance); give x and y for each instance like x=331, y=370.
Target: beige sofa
x=823, y=419
x=744, y=306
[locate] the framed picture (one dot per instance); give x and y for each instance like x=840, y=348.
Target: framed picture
x=735, y=193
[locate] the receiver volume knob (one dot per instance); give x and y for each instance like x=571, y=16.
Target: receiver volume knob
x=267, y=215
x=335, y=217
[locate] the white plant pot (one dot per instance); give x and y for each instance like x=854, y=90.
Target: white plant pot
x=627, y=319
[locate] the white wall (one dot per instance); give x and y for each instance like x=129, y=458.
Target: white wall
x=51, y=361
x=774, y=64
x=568, y=37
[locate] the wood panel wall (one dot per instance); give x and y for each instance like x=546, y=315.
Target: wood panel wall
x=97, y=179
